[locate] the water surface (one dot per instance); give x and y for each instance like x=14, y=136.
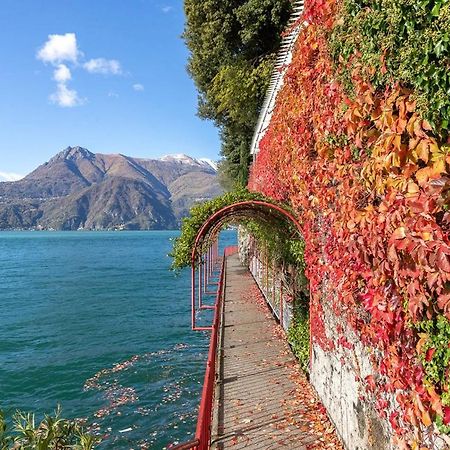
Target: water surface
x=96, y=322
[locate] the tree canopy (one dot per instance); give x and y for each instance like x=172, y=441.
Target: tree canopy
x=233, y=45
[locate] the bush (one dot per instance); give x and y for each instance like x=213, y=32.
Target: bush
x=52, y=433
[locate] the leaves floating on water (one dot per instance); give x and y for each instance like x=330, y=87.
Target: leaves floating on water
x=127, y=390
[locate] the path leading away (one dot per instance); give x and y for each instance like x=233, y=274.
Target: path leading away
x=262, y=399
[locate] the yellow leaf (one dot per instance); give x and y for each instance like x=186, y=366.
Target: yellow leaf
x=426, y=419
x=423, y=175
x=420, y=343
x=412, y=188
x=438, y=167
x=410, y=126
x=399, y=233
x=391, y=160
x=434, y=148
x=397, y=141
x=357, y=113
x=422, y=150
x=426, y=235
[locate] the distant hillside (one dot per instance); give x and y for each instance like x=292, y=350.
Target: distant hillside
x=78, y=189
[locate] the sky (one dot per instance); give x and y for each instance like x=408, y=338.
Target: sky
x=107, y=75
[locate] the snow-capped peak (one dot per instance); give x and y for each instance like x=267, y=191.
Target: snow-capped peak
x=212, y=163
x=185, y=159
x=179, y=157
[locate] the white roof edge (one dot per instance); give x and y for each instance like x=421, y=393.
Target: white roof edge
x=282, y=60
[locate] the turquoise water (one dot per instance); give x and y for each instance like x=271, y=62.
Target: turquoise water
x=96, y=322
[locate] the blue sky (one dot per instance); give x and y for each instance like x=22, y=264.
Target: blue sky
x=108, y=75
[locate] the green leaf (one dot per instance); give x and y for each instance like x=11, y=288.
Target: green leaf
x=436, y=9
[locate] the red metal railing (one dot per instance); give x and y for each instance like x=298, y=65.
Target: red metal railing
x=204, y=419
x=202, y=274
x=271, y=285
x=269, y=282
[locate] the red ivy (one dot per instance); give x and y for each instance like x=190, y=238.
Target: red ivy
x=371, y=185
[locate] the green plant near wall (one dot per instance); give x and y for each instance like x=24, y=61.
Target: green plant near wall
x=434, y=352
x=398, y=41
x=287, y=254
x=281, y=249
x=298, y=333
x=52, y=433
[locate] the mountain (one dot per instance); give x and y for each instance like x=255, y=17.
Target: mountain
x=78, y=189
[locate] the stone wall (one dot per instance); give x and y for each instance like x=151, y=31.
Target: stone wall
x=336, y=374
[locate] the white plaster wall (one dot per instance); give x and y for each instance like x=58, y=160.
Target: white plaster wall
x=357, y=423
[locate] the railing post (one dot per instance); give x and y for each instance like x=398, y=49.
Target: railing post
x=259, y=267
x=274, y=285
x=281, y=305
x=267, y=275
x=200, y=285
x=193, y=295
x=208, y=278
x=205, y=280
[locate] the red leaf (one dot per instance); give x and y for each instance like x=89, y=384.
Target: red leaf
x=429, y=355
x=393, y=419
x=370, y=380
x=446, y=415
x=442, y=260
x=432, y=278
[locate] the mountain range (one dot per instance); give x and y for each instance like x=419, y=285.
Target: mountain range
x=77, y=189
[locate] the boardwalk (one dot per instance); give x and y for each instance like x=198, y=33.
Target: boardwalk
x=257, y=398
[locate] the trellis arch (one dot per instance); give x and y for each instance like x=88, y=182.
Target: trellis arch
x=251, y=209
x=204, y=250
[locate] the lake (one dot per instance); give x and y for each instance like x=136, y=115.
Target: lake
x=96, y=322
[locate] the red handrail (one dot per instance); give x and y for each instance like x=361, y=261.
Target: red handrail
x=204, y=419
x=190, y=445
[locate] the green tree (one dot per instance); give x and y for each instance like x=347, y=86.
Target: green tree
x=233, y=45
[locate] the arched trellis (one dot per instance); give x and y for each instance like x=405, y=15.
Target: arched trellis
x=204, y=254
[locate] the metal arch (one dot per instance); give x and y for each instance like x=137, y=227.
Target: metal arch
x=251, y=209
x=234, y=216
x=243, y=208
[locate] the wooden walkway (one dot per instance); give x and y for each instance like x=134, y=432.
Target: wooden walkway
x=257, y=396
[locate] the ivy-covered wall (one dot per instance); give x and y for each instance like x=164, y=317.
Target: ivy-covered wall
x=358, y=145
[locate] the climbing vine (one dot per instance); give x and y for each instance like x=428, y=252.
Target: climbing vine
x=272, y=234
x=398, y=40
x=358, y=148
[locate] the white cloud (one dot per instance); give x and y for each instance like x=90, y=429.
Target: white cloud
x=113, y=94
x=65, y=97
x=104, y=66
x=138, y=87
x=166, y=9
x=10, y=176
x=62, y=52
x=59, y=48
x=62, y=74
